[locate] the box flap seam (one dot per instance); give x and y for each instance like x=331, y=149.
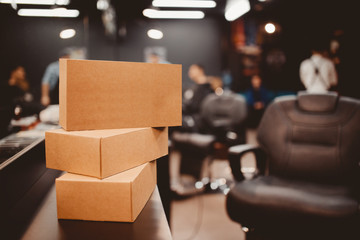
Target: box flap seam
x=101, y=158
x=131, y=201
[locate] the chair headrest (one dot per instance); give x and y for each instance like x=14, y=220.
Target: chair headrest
x=225, y=110
x=317, y=102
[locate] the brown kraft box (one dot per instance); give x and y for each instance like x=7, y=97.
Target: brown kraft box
x=102, y=153
x=119, y=198
x=111, y=95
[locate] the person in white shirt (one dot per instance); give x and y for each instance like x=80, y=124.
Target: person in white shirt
x=317, y=73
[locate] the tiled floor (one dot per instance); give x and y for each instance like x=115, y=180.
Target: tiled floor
x=204, y=216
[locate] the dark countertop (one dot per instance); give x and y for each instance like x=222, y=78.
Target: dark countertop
x=150, y=224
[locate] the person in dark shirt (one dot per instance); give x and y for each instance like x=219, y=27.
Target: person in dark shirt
x=191, y=123
x=257, y=98
x=10, y=95
x=16, y=100
x=194, y=96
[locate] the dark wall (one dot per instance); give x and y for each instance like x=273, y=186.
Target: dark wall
x=33, y=43
x=186, y=42
x=304, y=22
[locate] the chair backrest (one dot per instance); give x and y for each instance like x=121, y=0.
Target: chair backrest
x=226, y=112
x=312, y=137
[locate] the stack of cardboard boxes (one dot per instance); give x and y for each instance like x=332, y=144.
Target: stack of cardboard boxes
x=114, y=118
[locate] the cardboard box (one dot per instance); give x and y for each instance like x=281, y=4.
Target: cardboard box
x=109, y=95
x=102, y=153
x=119, y=198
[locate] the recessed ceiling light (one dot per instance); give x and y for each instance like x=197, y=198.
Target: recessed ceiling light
x=155, y=34
x=270, y=28
x=102, y=4
x=67, y=33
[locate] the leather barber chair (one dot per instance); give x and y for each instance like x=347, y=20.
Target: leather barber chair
x=222, y=120
x=307, y=184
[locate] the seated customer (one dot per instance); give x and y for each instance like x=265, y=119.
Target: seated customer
x=22, y=96
x=194, y=96
x=192, y=101
x=11, y=94
x=16, y=99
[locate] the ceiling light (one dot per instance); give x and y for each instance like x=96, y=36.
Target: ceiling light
x=270, y=28
x=155, y=34
x=236, y=8
x=184, y=3
x=57, y=12
x=67, y=33
x=102, y=4
x=62, y=2
x=151, y=13
x=37, y=2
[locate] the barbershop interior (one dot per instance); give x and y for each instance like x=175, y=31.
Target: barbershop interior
x=179, y=119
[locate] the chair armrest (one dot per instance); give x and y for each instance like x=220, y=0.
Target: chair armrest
x=195, y=139
x=237, y=152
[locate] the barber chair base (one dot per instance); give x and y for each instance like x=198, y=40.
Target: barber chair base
x=185, y=186
x=214, y=176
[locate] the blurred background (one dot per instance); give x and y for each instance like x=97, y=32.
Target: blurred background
x=118, y=30
x=230, y=41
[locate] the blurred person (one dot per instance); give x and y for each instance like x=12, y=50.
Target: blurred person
x=318, y=73
x=18, y=78
x=17, y=84
x=194, y=96
x=257, y=98
x=216, y=84
x=50, y=81
x=155, y=58
x=16, y=101
x=10, y=95
x=227, y=80
x=192, y=100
